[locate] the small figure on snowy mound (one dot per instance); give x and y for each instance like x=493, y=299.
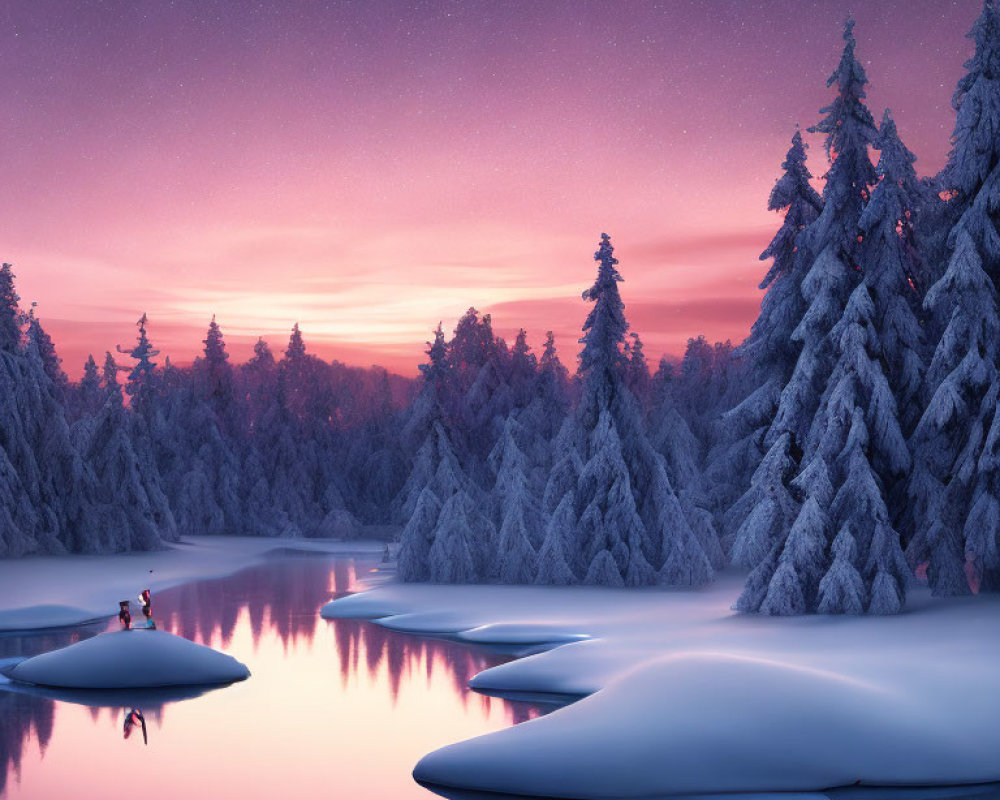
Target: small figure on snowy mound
x=124, y=615
x=134, y=717
x=147, y=606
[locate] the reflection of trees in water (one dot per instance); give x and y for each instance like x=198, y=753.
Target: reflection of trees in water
x=22, y=717
x=409, y=657
x=283, y=596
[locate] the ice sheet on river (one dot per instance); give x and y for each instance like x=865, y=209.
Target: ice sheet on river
x=130, y=660
x=687, y=698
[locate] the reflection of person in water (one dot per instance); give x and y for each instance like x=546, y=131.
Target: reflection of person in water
x=134, y=717
x=124, y=615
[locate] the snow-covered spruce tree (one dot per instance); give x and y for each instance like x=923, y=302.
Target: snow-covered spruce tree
x=65, y=486
x=786, y=581
x=770, y=352
x=891, y=265
x=47, y=353
x=523, y=367
x=768, y=508
x=193, y=429
x=672, y=437
x=630, y=526
x=86, y=397
x=951, y=484
x=544, y=414
x=479, y=393
x=637, y=376
x=438, y=503
x=975, y=152
x=417, y=538
x=125, y=515
x=142, y=388
x=857, y=433
x=45, y=487
x=953, y=425
x=514, y=509
x=831, y=242
x=560, y=543
x=377, y=464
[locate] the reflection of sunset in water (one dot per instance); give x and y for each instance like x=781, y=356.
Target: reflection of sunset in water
x=334, y=708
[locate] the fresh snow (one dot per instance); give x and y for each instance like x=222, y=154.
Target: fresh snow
x=63, y=591
x=684, y=697
x=131, y=659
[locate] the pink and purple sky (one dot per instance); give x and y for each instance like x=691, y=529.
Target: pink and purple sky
x=370, y=168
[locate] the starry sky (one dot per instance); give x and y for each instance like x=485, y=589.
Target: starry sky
x=369, y=168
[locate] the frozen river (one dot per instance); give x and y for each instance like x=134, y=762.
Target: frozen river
x=337, y=708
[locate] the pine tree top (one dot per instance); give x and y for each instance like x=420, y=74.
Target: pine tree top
x=10, y=311
x=549, y=354
x=975, y=150
x=262, y=352
x=985, y=60
x=436, y=367
x=296, y=346
x=110, y=372
x=143, y=353
x=848, y=123
x=605, y=327
x=215, y=346
x=793, y=186
x=896, y=161
x=90, y=371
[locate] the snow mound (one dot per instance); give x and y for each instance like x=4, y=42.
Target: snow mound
x=130, y=660
x=530, y=633
x=681, y=697
x=710, y=723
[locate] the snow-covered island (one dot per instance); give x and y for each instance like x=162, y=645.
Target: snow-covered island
x=130, y=659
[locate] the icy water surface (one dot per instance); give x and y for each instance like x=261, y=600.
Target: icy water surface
x=337, y=708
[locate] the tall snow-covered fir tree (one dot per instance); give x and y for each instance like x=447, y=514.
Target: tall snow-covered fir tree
x=770, y=351
x=831, y=243
x=891, y=264
x=629, y=526
x=952, y=492
x=141, y=386
x=838, y=415
x=857, y=432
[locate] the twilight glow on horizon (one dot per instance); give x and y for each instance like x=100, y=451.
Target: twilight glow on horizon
x=370, y=168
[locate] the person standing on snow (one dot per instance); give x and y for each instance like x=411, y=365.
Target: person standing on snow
x=124, y=615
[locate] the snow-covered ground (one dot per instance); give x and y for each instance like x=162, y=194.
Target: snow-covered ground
x=134, y=659
x=682, y=697
x=60, y=591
